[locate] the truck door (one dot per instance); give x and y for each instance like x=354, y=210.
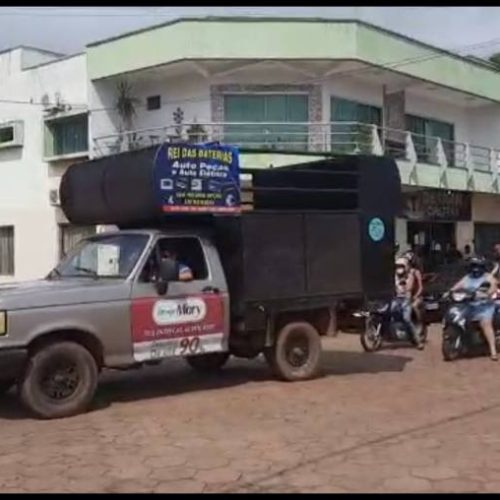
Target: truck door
x=193, y=316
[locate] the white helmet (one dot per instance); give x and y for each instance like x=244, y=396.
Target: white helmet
x=402, y=266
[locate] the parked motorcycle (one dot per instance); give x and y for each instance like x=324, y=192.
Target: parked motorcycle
x=384, y=323
x=461, y=335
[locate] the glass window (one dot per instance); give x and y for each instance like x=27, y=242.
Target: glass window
x=278, y=114
x=6, y=134
x=187, y=252
x=355, y=135
x=425, y=133
x=103, y=256
x=70, y=236
x=7, y=251
x=66, y=136
x=153, y=102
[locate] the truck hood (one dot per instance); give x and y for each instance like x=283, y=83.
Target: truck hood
x=61, y=292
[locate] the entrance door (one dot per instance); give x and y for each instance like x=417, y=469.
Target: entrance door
x=433, y=240
x=191, y=318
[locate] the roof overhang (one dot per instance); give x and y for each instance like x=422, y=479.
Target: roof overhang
x=288, y=40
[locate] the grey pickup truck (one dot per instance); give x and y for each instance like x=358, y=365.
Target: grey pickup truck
x=264, y=281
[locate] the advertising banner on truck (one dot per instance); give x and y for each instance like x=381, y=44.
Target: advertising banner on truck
x=197, y=178
x=177, y=326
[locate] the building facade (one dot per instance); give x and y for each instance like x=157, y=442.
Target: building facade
x=277, y=86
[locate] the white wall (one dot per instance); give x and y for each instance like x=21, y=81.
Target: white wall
x=191, y=94
x=485, y=208
x=484, y=126
x=24, y=186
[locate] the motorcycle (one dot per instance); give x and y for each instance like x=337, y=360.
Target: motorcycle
x=462, y=336
x=384, y=323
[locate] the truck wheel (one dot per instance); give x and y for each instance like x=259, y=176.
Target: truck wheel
x=60, y=380
x=296, y=353
x=206, y=363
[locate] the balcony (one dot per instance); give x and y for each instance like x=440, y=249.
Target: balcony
x=423, y=160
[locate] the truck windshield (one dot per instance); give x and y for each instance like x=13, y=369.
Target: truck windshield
x=110, y=256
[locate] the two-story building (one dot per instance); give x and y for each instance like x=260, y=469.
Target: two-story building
x=280, y=87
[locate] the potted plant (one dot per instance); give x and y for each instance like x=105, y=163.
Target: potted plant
x=197, y=133
x=125, y=106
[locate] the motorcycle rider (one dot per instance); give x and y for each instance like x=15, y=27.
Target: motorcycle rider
x=405, y=286
x=415, y=270
x=483, y=305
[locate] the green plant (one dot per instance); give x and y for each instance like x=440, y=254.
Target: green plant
x=197, y=133
x=125, y=106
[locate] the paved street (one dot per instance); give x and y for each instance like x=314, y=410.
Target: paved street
x=397, y=420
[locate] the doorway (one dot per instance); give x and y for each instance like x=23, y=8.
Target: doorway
x=433, y=240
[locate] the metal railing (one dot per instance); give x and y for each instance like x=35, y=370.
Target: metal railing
x=336, y=137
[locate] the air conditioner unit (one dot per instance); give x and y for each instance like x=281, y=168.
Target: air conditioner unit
x=54, y=198
x=11, y=134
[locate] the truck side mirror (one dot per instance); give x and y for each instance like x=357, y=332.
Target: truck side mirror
x=167, y=273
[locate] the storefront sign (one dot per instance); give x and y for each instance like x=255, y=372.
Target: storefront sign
x=197, y=178
x=437, y=205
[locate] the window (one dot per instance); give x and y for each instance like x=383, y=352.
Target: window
x=106, y=256
x=153, y=102
x=424, y=133
x=11, y=134
x=7, y=251
x=70, y=235
x=186, y=251
x=66, y=136
x=354, y=135
x=274, y=121
x=6, y=134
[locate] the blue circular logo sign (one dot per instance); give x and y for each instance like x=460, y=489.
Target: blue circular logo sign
x=376, y=229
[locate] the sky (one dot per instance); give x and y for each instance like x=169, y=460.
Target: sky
x=466, y=30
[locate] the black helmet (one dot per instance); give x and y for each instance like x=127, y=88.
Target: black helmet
x=476, y=266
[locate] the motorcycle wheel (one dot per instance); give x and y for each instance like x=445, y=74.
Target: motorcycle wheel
x=450, y=348
x=371, y=337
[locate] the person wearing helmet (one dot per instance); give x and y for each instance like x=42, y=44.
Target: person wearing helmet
x=417, y=281
x=483, y=307
x=405, y=284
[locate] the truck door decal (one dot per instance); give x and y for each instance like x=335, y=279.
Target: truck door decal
x=177, y=326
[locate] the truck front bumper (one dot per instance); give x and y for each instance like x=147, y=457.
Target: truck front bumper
x=12, y=363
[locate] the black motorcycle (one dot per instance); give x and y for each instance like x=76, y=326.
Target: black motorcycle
x=461, y=335
x=384, y=323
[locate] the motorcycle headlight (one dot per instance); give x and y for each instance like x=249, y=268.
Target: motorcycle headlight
x=458, y=296
x=3, y=322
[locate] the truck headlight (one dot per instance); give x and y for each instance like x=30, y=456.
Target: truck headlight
x=3, y=322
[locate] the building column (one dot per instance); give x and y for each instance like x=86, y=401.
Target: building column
x=401, y=234
x=464, y=234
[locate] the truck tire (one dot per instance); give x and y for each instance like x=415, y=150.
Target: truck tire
x=296, y=353
x=60, y=380
x=208, y=363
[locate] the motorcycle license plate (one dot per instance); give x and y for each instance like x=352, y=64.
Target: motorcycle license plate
x=432, y=307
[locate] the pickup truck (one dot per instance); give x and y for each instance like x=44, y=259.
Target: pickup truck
x=264, y=281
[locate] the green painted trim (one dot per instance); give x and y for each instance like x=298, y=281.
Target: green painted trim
x=288, y=39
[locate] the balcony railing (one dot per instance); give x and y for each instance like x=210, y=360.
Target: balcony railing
x=336, y=137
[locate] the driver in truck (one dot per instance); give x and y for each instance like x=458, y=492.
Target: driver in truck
x=184, y=272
